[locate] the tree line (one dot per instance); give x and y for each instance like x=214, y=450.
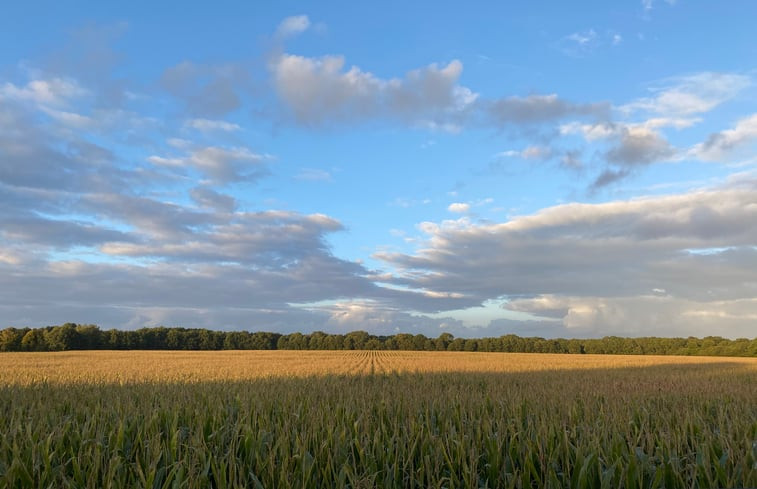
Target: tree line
x=72, y=336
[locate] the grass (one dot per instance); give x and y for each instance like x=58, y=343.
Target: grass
x=375, y=419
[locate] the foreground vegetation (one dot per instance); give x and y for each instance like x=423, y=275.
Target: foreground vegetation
x=72, y=336
x=375, y=419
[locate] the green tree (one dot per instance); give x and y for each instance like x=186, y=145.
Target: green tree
x=443, y=341
x=62, y=338
x=34, y=340
x=10, y=339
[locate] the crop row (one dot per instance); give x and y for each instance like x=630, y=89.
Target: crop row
x=672, y=425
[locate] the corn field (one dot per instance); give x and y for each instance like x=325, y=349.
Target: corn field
x=280, y=419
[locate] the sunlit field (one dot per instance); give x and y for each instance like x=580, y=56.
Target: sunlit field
x=375, y=419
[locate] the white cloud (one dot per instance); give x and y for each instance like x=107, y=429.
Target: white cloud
x=70, y=119
x=319, y=90
x=590, y=132
x=536, y=153
x=292, y=26
x=645, y=315
x=629, y=146
x=691, y=94
x=219, y=164
x=459, y=208
x=580, y=43
x=595, y=265
x=529, y=153
x=208, y=125
x=726, y=144
x=649, y=4
x=52, y=92
x=638, y=145
x=583, y=38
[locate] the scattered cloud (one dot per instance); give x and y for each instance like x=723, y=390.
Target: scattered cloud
x=459, y=208
x=292, y=26
x=692, y=94
x=586, y=42
x=218, y=164
x=106, y=217
x=579, y=43
x=530, y=153
x=47, y=92
x=322, y=90
x=540, y=108
x=210, y=199
x=648, y=5
x=208, y=125
x=724, y=145
x=314, y=175
x=639, y=146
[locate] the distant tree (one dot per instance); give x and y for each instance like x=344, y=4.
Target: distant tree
x=234, y=341
x=116, y=340
x=456, y=345
x=34, y=340
x=443, y=341
x=403, y=341
x=317, y=340
x=61, y=338
x=89, y=337
x=356, y=340
x=10, y=339
x=210, y=340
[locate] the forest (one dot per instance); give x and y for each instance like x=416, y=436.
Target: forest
x=71, y=336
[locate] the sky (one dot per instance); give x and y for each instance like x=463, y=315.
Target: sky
x=554, y=169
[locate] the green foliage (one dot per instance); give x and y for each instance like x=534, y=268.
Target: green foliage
x=668, y=426
x=89, y=337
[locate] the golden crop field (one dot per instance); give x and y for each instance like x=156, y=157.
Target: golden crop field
x=173, y=366
x=375, y=419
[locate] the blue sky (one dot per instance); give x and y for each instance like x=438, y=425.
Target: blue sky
x=550, y=168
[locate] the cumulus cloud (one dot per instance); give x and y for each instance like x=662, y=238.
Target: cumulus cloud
x=89, y=234
x=318, y=90
x=644, y=315
x=617, y=250
x=104, y=220
x=459, y=208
